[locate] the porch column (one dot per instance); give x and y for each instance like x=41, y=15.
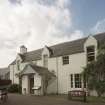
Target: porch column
x=25, y=84
x=37, y=84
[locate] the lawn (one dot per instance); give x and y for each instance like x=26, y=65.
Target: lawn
x=91, y=99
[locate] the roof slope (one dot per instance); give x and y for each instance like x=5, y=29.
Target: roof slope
x=66, y=48
x=40, y=70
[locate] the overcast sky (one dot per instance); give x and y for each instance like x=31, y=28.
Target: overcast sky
x=36, y=23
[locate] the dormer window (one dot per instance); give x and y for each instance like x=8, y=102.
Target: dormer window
x=65, y=60
x=90, y=53
x=45, y=61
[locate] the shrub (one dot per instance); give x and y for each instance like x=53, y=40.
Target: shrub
x=15, y=88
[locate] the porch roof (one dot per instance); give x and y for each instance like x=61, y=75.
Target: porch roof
x=40, y=70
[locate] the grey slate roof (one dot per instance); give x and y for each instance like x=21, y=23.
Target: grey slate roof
x=66, y=48
x=41, y=70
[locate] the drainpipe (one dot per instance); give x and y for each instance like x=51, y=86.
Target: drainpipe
x=13, y=74
x=57, y=72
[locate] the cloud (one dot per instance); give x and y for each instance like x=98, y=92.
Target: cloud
x=99, y=27
x=15, y=1
x=77, y=34
x=34, y=23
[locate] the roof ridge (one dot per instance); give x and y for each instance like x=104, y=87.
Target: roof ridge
x=70, y=41
x=57, y=44
x=64, y=48
x=33, y=50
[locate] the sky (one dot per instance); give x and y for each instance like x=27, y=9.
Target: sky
x=36, y=23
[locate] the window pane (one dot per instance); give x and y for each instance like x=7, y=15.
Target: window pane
x=78, y=81
x=91, y=58
x=90, y=53
x=90, y=49
x=71, y=80
x=65, y=60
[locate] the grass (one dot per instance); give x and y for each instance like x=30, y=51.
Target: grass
x=93, y=99
x=89, y=99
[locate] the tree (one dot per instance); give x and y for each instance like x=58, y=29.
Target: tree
x=46, y=79
x=95, y=72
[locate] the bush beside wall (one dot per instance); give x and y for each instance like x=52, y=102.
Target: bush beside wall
x=14, y=88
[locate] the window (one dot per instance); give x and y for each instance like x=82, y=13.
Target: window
x=90, y=53
x=77, y=80
x=65, y=60
x=45, y=60
x=18, y=65
x=71, y=77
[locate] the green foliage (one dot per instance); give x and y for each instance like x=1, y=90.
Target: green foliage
x=95, y=72
x=93, y=99
x=15, y=88
x=100, y=87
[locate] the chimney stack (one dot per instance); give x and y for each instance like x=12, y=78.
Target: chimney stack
x=23, y=49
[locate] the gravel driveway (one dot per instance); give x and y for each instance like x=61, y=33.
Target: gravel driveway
x=16, y=99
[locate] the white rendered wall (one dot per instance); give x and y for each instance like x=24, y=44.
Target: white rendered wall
x=37, y=80
x=13, y=72
x=76, y=63
x=38, y=84
x=25, y=85
x=39, y=63
x=52, y=67
x=11, y=67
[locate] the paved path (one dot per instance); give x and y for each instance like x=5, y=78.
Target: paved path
x=16, y=99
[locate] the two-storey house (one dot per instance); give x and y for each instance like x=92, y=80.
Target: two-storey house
x=62, y=63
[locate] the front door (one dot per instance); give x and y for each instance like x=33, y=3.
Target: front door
x=31, y=78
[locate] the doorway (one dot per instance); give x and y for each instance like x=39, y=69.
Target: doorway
x=31, y=81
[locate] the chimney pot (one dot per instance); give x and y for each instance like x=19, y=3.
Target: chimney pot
x=23, y=49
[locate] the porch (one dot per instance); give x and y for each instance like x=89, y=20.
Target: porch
x=35, y=79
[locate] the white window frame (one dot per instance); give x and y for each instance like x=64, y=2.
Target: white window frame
x=76, y=83
x=77, y=80
x=71, y=80
x=90, y=54
x=65, y=60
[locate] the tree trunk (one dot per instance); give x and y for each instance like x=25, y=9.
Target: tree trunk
x=99, y=94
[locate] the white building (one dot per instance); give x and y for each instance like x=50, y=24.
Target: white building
x=62, y=63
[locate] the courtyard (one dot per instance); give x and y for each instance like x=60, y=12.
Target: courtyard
x=17, y=99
